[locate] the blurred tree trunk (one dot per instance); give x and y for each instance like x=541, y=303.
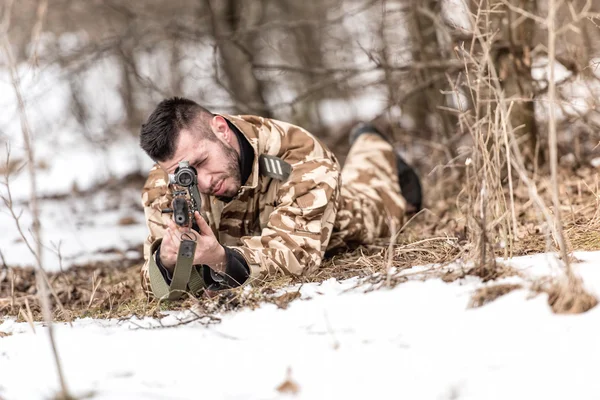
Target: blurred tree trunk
x=133, y=117
x=391, y=49
x=176, y=84
x=511, y=51
x=424, y=15
x=417, y=107
x=231, y=21
x=307, y=49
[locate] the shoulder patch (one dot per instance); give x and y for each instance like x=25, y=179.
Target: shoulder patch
x=274, y=167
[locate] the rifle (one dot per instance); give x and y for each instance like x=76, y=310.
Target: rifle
x=183, y=207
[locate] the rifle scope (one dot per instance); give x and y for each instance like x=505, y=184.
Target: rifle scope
x=184, y=175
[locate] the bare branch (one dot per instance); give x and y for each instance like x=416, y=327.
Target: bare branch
x=523, y=12
x=26, y=132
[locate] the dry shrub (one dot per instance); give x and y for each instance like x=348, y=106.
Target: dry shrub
x=506, y=193
x=566, y=296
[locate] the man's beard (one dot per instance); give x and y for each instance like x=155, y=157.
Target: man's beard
x=232, y=162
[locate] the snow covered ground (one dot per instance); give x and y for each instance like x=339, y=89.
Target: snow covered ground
x=102, y=225
x=419, y=340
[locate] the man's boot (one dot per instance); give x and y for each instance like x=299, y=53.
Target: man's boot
x=410, y=184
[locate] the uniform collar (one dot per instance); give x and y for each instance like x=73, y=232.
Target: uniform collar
x=246, y=158
x=249, y=132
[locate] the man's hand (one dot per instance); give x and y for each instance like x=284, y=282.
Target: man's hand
x=208, y=249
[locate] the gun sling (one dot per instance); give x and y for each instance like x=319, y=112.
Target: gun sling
x=185, y=277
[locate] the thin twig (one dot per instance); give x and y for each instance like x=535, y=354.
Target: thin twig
x=26, y=132
x=552, y=137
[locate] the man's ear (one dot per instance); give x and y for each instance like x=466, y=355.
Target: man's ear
x=221, y=128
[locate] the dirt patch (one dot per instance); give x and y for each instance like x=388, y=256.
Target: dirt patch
x=488, y=294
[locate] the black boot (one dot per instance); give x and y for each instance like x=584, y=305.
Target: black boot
x=364, y=127
x=410, y=184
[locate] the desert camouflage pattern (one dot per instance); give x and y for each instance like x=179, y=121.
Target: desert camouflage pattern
x=371, y=205
x=286, y=227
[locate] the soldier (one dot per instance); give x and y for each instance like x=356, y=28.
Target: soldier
x=274, y=197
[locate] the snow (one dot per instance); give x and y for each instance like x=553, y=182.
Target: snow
x=83, y=229
x=419, y=340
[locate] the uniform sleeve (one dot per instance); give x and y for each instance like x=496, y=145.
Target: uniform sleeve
x=299, y=228
x=156, y=196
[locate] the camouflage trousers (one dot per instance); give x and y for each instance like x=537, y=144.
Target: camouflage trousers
x=371, y=202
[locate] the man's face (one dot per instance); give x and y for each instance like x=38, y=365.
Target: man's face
x=216, y=162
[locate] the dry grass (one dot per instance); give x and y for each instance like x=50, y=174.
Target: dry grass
x=100, y=291
x=492, y=271
x=436, y=237
x=565, y=298
x=105, y=290
x=488, y=294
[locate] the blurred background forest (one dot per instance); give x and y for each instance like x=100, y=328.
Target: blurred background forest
x=464, y=87
x=412, y=65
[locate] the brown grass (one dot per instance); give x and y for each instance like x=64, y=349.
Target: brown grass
x=111, y=290
x=102, y=291
x=565, y=298
x=488, y=294
x=492, y=271
x=437, y=237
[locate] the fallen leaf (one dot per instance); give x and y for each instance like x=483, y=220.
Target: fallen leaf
x=284, y=300
x=288, y=386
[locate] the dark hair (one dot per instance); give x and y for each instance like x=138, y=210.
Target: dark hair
x=159, y=134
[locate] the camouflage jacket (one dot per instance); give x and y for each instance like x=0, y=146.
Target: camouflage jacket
x=278, y=226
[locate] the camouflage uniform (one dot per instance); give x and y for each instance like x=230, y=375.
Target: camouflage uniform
x=286, y=226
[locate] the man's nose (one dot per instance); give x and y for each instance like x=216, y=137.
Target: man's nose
x=204, y=182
